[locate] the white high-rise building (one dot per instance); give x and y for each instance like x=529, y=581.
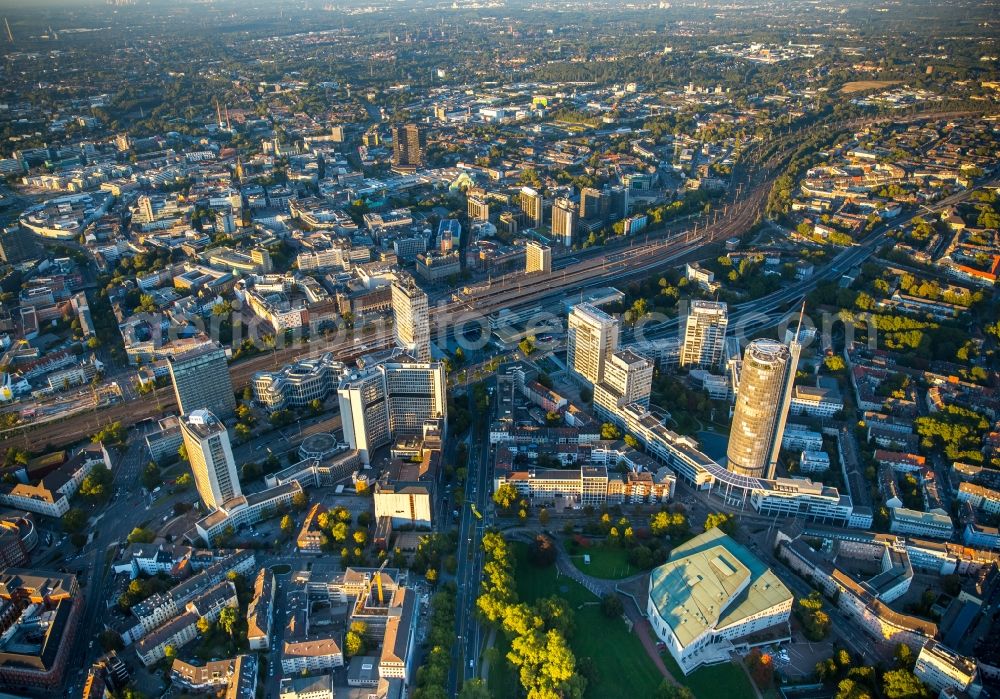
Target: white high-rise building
x=537, y=258
x=532, y=206
x=390, y=400
x=628, y=378
x=412, y=319
x=564, y=218
x=704, y=334
x=591, y=339
x=211, y=458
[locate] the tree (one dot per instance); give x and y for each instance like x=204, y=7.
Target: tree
x=204, y=625
x=850, y=689
x=505, y=496
x=610, y=431
x=474, y=689
x=228, y=618
x=184, y=480
x=672, y=524
x=904, y=656
x=431, y=575
x=543, y=517
x=815, y=622
x=612, y=606
x=287, y=524
x=114, y=433
x=110, y=640
x=141, y=535
x=527, y=345
x=97, y=482
x=151, y=476
x=631, y=441
x=669, y=690
x=834, y=363
x=542, y=552
x=169, y=652
x=74, y=520
x=354, y=644
x=339, y=532
x=723, y=521
x=761, y=666
x=903, y=684
x=300, y=500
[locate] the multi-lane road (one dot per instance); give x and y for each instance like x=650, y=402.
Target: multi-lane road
x=472, y=525
x=768, y=310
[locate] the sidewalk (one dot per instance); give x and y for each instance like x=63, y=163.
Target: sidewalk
x=600, y=587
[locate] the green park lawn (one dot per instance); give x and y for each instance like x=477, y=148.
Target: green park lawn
x=623, y=668
x=726, y=681
x=606, y=562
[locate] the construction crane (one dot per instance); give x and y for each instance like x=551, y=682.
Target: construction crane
x=378, y=581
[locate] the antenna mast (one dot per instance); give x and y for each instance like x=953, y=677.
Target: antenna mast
x=798, y=328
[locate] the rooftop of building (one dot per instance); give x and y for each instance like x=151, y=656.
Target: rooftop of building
x=710, y=582
x=203, y=423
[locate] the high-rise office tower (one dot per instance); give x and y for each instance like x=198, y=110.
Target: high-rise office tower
x=591, y=339
x=211, y=458
x=389, y=400
x=202, y=381
x=628, y=378
x=704, y=334
x=563, y=221
x=594, y=204
x=532, y=206
x=478, y=206
x=537, y=257
x=618, y=202
x=409, y=145
x=412, y=319
x=766, y=379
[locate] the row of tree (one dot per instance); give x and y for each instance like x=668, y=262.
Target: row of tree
x=546, y=666
x=432, y=676
x=855, y=680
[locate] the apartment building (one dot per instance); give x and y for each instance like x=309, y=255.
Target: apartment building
x=704, y=334
x=261, y=610
x=628, y=379
x=412, y=320
x=591, y=339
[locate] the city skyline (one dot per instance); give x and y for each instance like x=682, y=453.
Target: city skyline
x=485, y=350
